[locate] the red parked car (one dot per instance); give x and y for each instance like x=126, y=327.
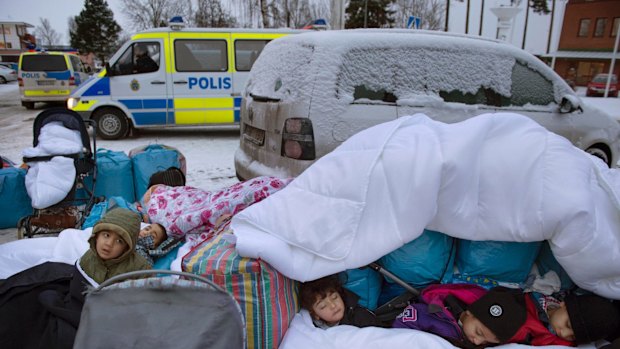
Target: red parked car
x=596, y=87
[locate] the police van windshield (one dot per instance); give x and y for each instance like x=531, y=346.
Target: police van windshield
x=44, y=63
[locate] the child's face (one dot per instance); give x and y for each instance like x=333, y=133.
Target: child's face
x=475, y=331
x=330, y=308
x=560, y=322
x=110, y=245
x=156, y=231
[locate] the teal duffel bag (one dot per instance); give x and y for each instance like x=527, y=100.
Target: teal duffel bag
x=150, y=159
x=114, y=175
x=14, y=200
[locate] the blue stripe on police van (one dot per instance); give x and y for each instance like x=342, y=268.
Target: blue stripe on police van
x=99, y=88
x=59, y=75
x=237, y=102
x=237, y=117
x=132, y=103
x=154, y=103
x=171, y=103
x=171, y=117
x=150, y=118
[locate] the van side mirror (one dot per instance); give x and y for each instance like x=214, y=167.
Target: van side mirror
x=570, y=104
x=108, y=71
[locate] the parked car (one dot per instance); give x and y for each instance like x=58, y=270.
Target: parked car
x=597, y=86
x=9, y=65
x=7, y=75
x=308, y=93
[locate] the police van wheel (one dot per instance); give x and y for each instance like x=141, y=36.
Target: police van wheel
x=28, y=105
x=111, y=123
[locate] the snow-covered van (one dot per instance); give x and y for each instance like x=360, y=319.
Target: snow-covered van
x=48, y=76
x=308, y=93
x=172, y=76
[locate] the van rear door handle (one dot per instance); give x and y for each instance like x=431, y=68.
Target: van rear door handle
x=180, y=82
x=158, y=82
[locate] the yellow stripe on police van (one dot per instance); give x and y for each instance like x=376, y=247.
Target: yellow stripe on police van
x=47, y=93
x=190, y=103
x=189, y=117
x=84, y=105
x=202, y=103
x=220, y=116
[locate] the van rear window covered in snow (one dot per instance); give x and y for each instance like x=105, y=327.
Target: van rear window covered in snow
x=44, y=63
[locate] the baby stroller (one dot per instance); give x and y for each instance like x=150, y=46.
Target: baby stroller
x=61, y=145
x=160, y=312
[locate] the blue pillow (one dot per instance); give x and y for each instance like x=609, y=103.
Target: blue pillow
x=503, y=261
x=166, y=260
x=423, y=261
x=364, y=282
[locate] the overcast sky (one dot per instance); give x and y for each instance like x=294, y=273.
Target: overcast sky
x=58, y=12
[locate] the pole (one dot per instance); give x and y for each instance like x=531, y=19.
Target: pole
x=551, y=25
x=365, y=12
x=467, y=19
x=447, y=15
x=613, y=62
x=527, y=15
x=481, y=18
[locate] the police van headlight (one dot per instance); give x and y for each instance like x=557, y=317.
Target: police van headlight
x=72, y=102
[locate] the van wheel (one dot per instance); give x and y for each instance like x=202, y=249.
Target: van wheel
x=111, y=123
x=600, y=153
x=2, y=80
x=28, y=105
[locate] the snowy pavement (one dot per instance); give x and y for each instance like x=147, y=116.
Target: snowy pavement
x=209, y=151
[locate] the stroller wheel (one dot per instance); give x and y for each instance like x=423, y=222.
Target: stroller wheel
x=23, y=226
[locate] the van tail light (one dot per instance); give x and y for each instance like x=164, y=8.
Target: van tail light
x=20, y=82
x=72, y=81
x=298, y=139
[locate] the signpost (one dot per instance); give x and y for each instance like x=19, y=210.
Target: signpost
x=414, y=22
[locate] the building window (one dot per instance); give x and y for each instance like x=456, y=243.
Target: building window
x=9, y=45
x=6, y=30
x=584, y=27
x=614, y=27
x=599, y=30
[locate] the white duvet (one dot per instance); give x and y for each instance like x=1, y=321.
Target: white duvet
x=494, y=177
x=48, y=182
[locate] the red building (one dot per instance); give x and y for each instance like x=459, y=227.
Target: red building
x=587, y=39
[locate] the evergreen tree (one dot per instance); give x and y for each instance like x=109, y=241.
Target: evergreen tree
x=96, y=30
x=378, y=14
x=540, y=6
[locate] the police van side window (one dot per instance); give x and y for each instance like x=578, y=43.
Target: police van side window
x=200, y=55
x=139, y=58
x=77, y=65
x=246, y=52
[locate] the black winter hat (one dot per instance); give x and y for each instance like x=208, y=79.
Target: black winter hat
x=592, y=317
x=172, y=177
x=502, y=311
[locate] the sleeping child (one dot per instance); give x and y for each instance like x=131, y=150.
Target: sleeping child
x=330, y=304
x=469, y=316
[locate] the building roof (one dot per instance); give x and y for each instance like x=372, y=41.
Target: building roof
x=5, y=21
x=582, y=54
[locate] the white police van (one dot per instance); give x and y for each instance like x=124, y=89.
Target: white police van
x=172, y=76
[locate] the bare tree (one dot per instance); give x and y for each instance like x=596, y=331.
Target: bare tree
x=430, y=11
x=280, y=13
x=45, y=34
x=211, y=14
x=146, y=14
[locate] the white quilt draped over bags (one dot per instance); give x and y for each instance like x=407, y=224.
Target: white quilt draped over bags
x=496, y=177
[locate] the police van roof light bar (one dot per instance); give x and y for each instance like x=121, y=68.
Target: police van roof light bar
x=176, y=23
